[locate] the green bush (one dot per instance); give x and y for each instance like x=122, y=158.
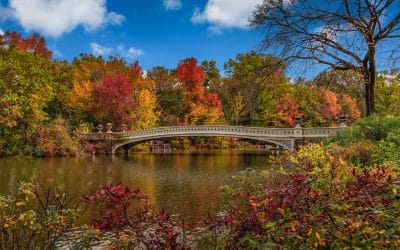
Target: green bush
x=373, y=140
x=373, y=128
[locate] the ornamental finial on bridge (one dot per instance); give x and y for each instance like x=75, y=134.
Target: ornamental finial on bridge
x=124, y=128
x=100, y=128
x=109, y=127
x=297, y=121
x=342, y=121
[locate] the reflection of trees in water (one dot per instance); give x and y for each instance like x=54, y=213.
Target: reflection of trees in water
x=12, y=171
x=185, y=184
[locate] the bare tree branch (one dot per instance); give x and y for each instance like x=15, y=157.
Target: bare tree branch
x=343, y=34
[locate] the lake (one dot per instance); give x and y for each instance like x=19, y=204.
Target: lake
x=185, y=184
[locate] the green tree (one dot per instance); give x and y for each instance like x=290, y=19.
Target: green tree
x=213, y=76
x=261, y=80
x=169, y=95
x=26, y=87
x=388, y=94
x=309, y=105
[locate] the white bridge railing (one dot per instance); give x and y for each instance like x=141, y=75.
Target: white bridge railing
x=199, y=130
x=286, y=138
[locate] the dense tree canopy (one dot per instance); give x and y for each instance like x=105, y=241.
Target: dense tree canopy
x=43, y=101
x=26, y=86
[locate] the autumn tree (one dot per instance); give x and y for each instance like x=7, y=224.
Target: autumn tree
x=208, y=112
x=81, y=102
x=203, y=106
x=343, y=83
x=25, y=89
x=232, y=100
x=92, y=68
x=113, y=101
x=35, y=44
x=318, y=106
x=286, y=111
x=62, y=84
x=145, y=114
x=349, y=108
x=340, y=34
x=309, y=102
x=330, y=109
x=192, y=78
x=136, y=76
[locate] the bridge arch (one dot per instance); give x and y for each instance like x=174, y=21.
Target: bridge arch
x=285, y=138
x=286, y=144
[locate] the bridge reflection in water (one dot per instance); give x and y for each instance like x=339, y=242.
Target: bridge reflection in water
x=284, y=138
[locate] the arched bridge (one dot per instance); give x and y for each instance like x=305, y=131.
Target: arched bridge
x=285, y=138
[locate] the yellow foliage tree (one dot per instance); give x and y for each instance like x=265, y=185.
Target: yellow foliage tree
x=202, y=114
x=81, y=95
x=145, y=114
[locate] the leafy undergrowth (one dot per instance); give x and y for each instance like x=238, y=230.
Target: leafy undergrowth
x=143, y=228
x=326, y=203
x=373, y=140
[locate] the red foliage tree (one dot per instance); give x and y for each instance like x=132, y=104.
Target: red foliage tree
x=193, y=78
x=113, y=100
x=213, y=101
x=35, y=44
x=135, y=71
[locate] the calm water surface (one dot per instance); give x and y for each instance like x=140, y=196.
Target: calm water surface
x=186, y=184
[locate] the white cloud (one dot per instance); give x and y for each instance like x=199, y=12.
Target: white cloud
x=121, y=50
x=134, y=52
x=226, y=13
x=99, y=50
x=114, y=18
x=56, y=17
x=130, y=53
x=172, y=4
x=1, y=32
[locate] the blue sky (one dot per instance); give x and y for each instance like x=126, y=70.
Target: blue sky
x=155, y=32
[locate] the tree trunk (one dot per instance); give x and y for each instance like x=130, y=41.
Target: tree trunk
x=370, y=80
x=369, y=96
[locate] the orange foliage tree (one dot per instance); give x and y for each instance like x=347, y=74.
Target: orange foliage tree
x=349, y=108
x=35, y=44
x=330, y=108
x=285, y=111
